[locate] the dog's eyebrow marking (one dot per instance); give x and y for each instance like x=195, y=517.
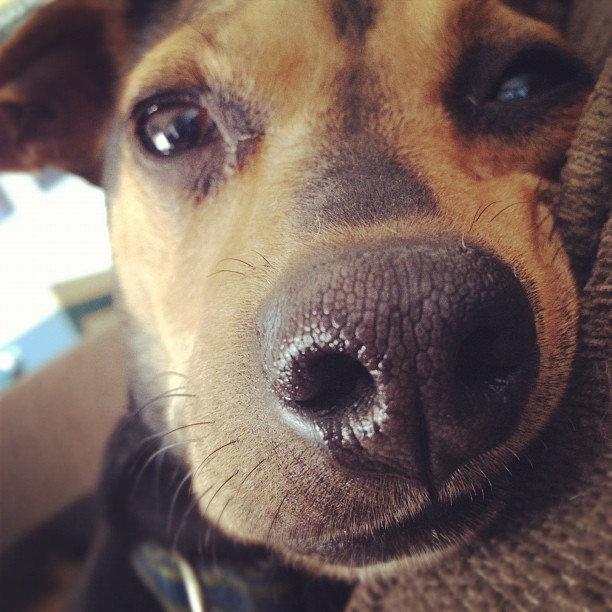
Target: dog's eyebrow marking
x=353, y=17
x=141, y=13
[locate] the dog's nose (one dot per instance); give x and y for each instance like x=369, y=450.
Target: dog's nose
x=406, y=358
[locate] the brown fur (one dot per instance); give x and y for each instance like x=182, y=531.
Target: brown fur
x=193, y=268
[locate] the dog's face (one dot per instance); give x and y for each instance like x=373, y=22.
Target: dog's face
x=336, y=255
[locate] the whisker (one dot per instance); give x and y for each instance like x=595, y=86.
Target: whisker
x=157, y=453
x=242, y=261
x=266, y=260
x=228, y=271
x=547, y=196
x=298, y=461
x=276, y=515
x=503, y=210
x=204, y=542
x=169, y=394
x=171, y=373
x=557, y=251
x=481, y=211
x=157, y=477
x=174, y=501
x=251, y=472
x=548, y=215
x=159, y=436
x=196, y=473
x=219, y=489
x=554, y=209
x=194, y=502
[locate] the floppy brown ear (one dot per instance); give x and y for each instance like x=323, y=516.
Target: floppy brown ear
x=58, y=82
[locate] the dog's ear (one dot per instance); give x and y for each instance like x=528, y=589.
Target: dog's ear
x=58, y=83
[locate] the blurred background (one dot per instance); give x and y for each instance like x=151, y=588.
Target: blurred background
x=54, y=268
x=55, y=281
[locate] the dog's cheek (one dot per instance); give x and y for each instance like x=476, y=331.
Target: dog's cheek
x=540, y=152
x=148, y=260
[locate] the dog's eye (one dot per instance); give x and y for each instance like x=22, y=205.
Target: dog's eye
x=534, y=72
x=187, y=137
x=171, y=130
x=515, y=88
x=511, y=90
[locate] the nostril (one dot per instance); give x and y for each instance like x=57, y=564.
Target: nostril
x=410, y=357
x=328, y=382
x=490, y=358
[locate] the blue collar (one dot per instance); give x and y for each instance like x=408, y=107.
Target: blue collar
x=180, y=586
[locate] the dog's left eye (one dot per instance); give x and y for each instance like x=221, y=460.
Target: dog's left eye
x=167, y=131
x=515, y=88
x=511, y=90
x=533, y=72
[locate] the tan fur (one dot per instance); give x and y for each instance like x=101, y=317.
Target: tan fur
x=193, y=273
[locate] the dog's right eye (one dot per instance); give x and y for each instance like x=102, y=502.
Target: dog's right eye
x=190, y=137
x=169, y=130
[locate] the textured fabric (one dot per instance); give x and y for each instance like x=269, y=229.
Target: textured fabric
x=552, y=550
x=590, y=29
x=586, y=189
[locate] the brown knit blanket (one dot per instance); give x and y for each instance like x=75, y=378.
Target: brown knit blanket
x=552, y=549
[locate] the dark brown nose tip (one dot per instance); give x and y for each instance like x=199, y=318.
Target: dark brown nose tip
x=409, y=358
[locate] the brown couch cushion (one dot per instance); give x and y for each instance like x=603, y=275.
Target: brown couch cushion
x=53, y=429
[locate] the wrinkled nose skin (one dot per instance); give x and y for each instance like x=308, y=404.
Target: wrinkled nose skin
x=408, y=358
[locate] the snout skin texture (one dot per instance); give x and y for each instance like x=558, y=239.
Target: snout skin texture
x=210, y=276
x=408, y=358
x=315, y=511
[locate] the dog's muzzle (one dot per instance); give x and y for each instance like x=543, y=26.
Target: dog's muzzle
x=405, y=358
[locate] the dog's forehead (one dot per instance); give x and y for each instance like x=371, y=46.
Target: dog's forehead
x=286, y=46
x=329, y=23
x=333, y=84
x=349, y=16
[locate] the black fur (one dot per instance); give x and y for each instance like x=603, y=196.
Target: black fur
x=353, y=17
x=146, y=495
x=141, y=13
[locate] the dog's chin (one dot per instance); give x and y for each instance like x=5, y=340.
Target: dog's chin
x=415, y=542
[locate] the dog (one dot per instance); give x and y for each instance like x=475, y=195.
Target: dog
x=348, y=308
